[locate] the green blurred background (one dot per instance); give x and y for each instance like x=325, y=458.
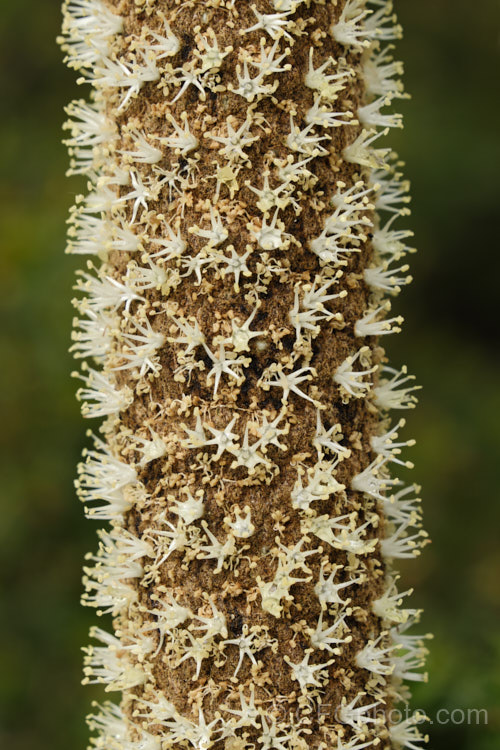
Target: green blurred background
x=451, y=149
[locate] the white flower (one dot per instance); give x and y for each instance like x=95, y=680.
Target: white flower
x=352, y=540
x=273, y=24
x=272, y=592
x=267, y=65
x=358, y=717
x=389, y=394
x=368, y=325
x=108, y=595
x=315, y=296
x=294, y=171
x=118, y=558
x=270, y=432
x=103, y=477
x=290, y=382
x=370, y=116
x=124, y=238
x=211, y=57
x=236, y=140
x=171, y=539
x=142, y=278
x=269, y=236
x=361, y=151
x=217, y=234
x=249, y=714
x=354, y=198
x=235, y=264
x=385, y=445
x=93, y=337
x=109, y=722
x=330, y=246
x=328, y=85
x=173, y=245
x=345, y=219
x=388, y=241
x=132, y=76
x=328, y=592
x=400, y=508
x=189, y=510
x=248, y=455
x=144, y=152
x=91, y=133
x=323, y=526
x=182, y=140
x=212, y=626
x=387, y=606
x=197, y=437
x=243, y=527
x=295, y=557
x=321, y=115
x=103, y=293
x=88, y=235
x=242, y=335
x=193, y=336
x=250, y=88
x=375, y=658
x=380, y=73
x=383, y=278
x=376, y=23
x=391, y=191
x=329, y=638
x=401, y=545
x=224, y=363
x=225, y=176
x=305, y=141
x=370, y=482
x=305, y=673
x=197, y=651
x=306, y=320
x=407, y=663
x=88, y=28
x=247, y=647
x=194, y=265
x=321, y=484
x=270, y=198
x=100, y=395
x=270, y=739
x=406, y=734
x=186, y=78
x=350, y=30
x=140, y=348
x=223, y=439
x=314, y=309
x=355, y=743
x=109, y=665
x=168, y=614
x=140, y=194
x=351, y=381
x=167, y=45
x=216, y=550
x=325, y=439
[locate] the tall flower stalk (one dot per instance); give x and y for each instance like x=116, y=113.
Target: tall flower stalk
x=241, y=228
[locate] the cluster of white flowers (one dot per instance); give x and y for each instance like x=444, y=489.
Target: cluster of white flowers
x=152, y=266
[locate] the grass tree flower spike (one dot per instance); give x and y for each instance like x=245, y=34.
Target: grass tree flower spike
x=244, y=252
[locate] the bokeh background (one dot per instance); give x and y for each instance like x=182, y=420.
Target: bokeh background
x=451, y=148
